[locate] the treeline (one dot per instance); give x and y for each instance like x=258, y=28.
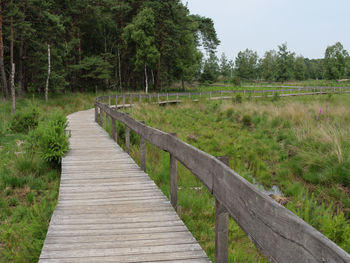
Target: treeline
x=281, y=65
x=128, y=44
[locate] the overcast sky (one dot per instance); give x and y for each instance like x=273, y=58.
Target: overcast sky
x=308, y=26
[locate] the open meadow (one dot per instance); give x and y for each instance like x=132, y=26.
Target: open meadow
x=295, y=148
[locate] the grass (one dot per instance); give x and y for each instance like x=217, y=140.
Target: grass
x=284, y=142
x=28, y=185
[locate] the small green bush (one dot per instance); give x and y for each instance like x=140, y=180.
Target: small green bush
x=24, y=121
x=236, y=81
x=247, y=120
x=49, y=139
x=238, y=98
x=276, y=96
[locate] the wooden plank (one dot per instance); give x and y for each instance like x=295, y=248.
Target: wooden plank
x=119, y=251
x=196, y=256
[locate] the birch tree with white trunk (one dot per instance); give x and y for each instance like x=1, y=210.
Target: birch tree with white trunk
x=48, y=74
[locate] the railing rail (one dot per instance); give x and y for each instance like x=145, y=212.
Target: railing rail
x=279, y=234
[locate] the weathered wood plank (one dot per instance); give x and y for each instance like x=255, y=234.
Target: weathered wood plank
x=196, y=256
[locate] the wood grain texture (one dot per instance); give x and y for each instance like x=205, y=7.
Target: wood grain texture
x=109, y=210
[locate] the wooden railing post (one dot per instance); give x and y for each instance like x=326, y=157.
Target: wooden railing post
x=109, y=100
x=221, y=227
x=114, y=133
x=107, y=120
x=127, y=139
x=143, y=151
x=139, y=98
x=116, y=101
x=96, y=113
x=158, y=99
x=173, y=179
x=101, y=117
x=123, y=100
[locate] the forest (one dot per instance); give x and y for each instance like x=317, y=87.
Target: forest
x=84, y=45
x=106, y=43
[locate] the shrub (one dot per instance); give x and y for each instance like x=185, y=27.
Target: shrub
x=24, y=121
x=238, y=98
x=49, y=139
x=276, y=96
x=247, y=120
x=236, y=81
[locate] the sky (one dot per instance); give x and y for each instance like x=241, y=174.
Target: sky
x=308, y=26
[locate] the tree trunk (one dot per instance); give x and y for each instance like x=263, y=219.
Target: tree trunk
x=20, y=68
x=79, y=46
x=48, y=74
x=13, y=92
x=11, y=52
x=146, y=79
x=2, y=67
x=120, y=71
x=158, y=75
x=152, y=78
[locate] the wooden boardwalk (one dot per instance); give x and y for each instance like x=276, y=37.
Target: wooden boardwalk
x=109, y=210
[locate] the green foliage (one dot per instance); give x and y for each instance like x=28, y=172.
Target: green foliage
x=268, y=65
x=49, y=139
x=25, y=120
x=285, y=63
x=247, y=120
x=236, y=81
x=246, y=64
x=276, y=96
x=238, y=98
x=335, y=61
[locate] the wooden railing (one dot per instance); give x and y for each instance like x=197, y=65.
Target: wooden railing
x=279, y=234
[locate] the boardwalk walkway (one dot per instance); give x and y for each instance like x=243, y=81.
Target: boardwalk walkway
x=109, y=210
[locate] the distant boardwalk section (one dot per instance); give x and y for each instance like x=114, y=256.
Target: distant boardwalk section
x=109, y=210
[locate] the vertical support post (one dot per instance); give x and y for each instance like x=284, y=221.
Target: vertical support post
x=139, y=98
x=173, y=179
x=158, y=99
x=101, y=117
x=149, y=98
x=109, y=100
x=210, y=95
x=177, y=97
x=143, y=152
x=96, y=113
x=116, y=101
x=127, y=139
x=221, y=227
x=114, y=133
x=107, y=120
x=167, y=97
x=123, y=100
x=221, y=94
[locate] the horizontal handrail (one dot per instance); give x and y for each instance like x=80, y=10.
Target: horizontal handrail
x=279, y=234
x=244, y=91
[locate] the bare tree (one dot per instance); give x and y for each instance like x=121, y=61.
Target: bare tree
x=48, y=74
x=13, y=92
